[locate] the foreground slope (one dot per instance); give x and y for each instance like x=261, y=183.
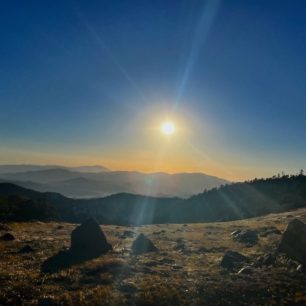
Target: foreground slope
x=185, y=271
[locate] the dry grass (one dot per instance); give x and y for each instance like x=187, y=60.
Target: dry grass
x=186, y=270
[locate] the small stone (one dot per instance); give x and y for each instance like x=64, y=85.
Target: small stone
x=270, y=231
x=234, y=233
x=180, y=246
x=268, y=260
x=143, y=245
x=292, y=264
x=127, y=287
x=232, y=260
x=299, y=268
x=26, y=249
x=7, y=237
x=46, y=302
x=127, y=234
x=247, y=237
x=246, y=270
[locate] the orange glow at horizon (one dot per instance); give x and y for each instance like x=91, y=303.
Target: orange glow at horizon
x=170, y=162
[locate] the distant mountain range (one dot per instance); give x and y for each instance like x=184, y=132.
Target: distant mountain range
x=230, y=202
x=98, y=181
x=4, y=169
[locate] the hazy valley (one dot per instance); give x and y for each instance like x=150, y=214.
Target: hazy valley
x=97, y=181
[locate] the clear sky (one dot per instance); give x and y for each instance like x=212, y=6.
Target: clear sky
x=90, y=82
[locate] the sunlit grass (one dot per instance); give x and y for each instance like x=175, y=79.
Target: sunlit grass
x=185, y=271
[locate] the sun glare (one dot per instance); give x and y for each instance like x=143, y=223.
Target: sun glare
x=167, y=128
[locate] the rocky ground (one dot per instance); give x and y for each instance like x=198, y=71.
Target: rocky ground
x=186, y=270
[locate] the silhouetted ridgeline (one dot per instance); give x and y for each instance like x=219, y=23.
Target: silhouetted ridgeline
x=250, y=199
x=230, y=202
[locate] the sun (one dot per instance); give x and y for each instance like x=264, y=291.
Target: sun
x=167, y=128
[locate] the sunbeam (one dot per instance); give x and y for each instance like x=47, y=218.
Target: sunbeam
x=102, y=44
x=201, y=32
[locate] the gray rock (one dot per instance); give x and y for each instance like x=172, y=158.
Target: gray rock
x=300, y=268
x=127, y=234
x=87, y=242
x=268, y=260
x=293, y=241
x=248, y=237
x=233, y=260
x=143, y=245
x=180, y=246
x=234, y=233
x=89, y=239
x=26, y=249
x=269, y=231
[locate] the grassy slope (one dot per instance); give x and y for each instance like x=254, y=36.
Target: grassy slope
x=186, y=271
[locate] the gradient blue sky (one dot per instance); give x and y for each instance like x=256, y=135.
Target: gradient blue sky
x=85, y=82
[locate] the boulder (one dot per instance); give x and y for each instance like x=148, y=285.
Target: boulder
x=7, y=237
x=89, y=240
x=248, y=237
x=293, y=241
x=143, y=245
x=233, y=260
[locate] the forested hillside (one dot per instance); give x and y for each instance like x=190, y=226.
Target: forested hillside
x=230, y=202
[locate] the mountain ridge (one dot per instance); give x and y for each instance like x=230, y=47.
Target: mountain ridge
x=99, y=184
x=230, y=202
x=14, y=168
